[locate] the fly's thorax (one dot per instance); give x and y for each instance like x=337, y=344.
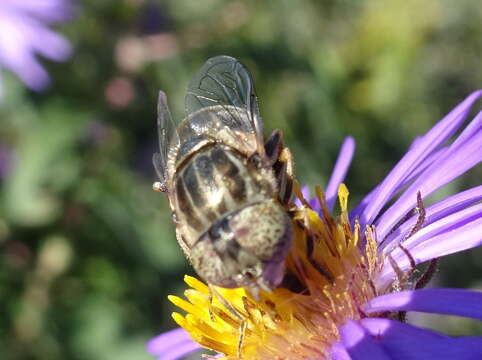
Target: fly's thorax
x=214, y=182
x=214, y=124
x=210, y=126
x=246, y=248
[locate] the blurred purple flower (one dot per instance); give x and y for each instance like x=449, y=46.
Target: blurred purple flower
x=451, y=225
x=24, y=34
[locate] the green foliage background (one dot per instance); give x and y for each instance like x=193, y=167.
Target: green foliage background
x=87, y=250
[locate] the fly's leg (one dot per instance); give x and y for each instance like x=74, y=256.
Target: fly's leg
x=210, y=300
x=273, y=146
x=242, y=333
x=286, y=175
x=281, y=159
x=223, y=301
x=243, y=323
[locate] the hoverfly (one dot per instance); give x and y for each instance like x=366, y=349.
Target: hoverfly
x=227, y=187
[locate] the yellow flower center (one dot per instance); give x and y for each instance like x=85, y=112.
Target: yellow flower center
x=329, y=278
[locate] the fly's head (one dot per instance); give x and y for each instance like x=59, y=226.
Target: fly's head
x=246, y=249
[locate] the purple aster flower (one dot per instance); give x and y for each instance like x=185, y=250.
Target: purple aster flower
x=355, y=272
x=24, y=34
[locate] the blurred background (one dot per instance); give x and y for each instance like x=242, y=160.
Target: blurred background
x=87, y=249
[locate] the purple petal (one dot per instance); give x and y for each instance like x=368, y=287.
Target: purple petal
x=443, y=225
x=436, y=154
x=339, y=172
x=462, y=238
x=357, y=212
x=24, y=34
x=16, y=52
x=338, y=352
x=415, y=142
x=432, y=158
x=51, y=45
x=359, y=344
x=425, y=146
x=51, y=11
x=384, y=328
x=435, y=212
x=179, y=351
x=473, y=128
x=29, y=70
x=406, y=342
x=305, y=191
x=464, y=303
x=460, y=157
x=177, y=338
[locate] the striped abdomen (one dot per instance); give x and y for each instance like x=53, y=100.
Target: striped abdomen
x=214, y=182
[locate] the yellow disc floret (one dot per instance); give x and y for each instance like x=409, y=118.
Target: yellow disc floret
x=329, y=276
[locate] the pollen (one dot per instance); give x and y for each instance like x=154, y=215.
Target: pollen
x=329, y=276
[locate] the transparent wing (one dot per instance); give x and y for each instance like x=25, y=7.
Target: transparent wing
x=224, y=81
x=167, y=137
